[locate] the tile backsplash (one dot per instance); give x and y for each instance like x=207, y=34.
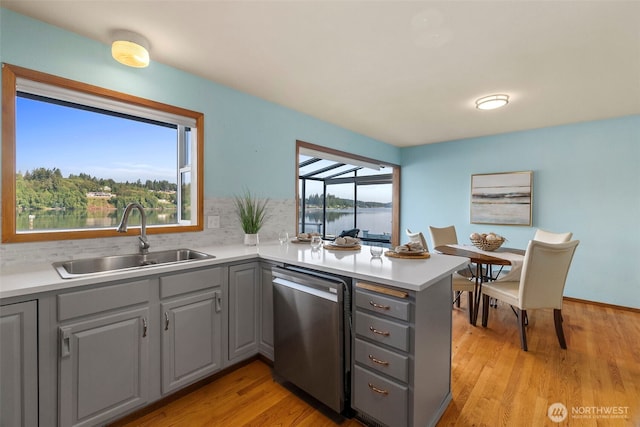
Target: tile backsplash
x=280, y=216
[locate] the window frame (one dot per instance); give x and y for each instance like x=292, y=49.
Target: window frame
x=395, y=196
x=10, y=75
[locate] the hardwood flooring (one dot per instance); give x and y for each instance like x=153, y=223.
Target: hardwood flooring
x=494, y=383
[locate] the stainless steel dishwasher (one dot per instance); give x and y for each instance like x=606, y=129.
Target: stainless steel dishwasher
x=312, y=320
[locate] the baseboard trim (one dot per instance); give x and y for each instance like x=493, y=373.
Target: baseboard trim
x=602, y=304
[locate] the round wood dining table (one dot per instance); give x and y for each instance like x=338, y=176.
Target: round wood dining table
x=480, y=259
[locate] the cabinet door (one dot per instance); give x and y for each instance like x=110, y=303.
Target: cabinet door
x=19, y=364
x=103, y=367
x=191, y=328
x=266, y=311
x=243, y=310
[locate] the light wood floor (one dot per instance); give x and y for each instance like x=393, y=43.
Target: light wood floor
x=494, y=383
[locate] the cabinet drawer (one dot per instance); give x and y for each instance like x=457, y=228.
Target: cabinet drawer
x=384, y=305
x=380, y=398
x=109, y=297
x=192, y=281
x=385, y=361
x=382, y=330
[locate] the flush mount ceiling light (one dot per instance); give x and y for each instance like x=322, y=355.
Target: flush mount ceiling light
x=492, y=102
x=130, y=49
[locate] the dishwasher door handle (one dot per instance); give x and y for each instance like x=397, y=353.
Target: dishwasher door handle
x=306, y=289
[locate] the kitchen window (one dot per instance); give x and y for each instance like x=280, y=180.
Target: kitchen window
x=338, y=191
x=74, y=155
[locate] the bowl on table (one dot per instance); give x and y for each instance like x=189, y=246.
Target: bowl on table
x=487, y=242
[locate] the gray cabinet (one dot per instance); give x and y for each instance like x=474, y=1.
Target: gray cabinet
x=381, y=355
x=103, y=352
x=402, y=354
x=266, y=310
x=124, y=345
x=191, y=327
x=19, y=364
x=244, y=292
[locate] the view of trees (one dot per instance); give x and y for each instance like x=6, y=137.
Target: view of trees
x=334, y=202
x=43, y=189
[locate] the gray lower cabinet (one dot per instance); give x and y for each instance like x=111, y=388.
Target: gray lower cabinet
x=401, y=354
x=19, y=364
x=244, y=298
x=124, y=345
x=103, y=352
x=191, y=327
x=266, y=310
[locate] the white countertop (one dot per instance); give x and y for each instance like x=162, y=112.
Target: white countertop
x=409, y=274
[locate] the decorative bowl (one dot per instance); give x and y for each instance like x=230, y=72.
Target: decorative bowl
x=480, y=241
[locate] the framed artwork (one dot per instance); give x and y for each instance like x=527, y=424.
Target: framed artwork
x=502, y=198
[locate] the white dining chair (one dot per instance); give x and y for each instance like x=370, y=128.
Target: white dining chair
x=549, y=237
x=463, y=280
x=448, y=236
x=541, y=285
x=443, y=235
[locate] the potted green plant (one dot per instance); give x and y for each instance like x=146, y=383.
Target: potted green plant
x=252, y=214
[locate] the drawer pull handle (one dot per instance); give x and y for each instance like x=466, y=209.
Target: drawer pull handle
x=376, y=305
x=378, y=361
x=378, y=390
x=166, y=321
x=376, y=331
x=145, y=327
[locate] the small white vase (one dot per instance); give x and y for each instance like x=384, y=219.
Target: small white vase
x=251, y=239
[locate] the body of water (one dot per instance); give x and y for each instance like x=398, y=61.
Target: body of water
x=372, y=220
x=74, y=220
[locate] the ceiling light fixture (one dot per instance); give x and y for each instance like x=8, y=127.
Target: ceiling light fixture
x=130, y=49
x=492, y=102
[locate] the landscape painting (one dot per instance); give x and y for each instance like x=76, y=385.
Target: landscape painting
x=502, y=198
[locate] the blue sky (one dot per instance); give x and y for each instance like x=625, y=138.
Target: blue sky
x=77, y=141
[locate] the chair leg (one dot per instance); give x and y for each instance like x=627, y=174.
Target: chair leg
x=557, y=319
x=458, y=299
x=485, y=310
x=470, y=305
x=521, y=323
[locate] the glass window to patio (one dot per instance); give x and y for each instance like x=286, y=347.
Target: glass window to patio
x=337, y=193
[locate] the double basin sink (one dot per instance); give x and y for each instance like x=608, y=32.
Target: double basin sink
x=109, y=264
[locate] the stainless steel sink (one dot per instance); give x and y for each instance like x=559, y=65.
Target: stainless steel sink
x=107, y=264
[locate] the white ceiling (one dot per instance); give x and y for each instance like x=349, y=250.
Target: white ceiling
x=406, y=73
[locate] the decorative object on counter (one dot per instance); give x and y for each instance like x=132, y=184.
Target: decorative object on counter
x=414, y=249
x=252, y=214
x=283, y=237
x=418, y=238
x=304, y=237
x=502, y=198
x=344, y=243
x=375, y=249
x=316, y=242
x=487, y=242
x=408, y=255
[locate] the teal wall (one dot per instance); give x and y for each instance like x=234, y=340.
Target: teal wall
x=586, y=180
x=248, y=141
x=586, y=176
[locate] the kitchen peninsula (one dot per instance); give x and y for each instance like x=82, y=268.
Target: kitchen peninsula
x=149, y=301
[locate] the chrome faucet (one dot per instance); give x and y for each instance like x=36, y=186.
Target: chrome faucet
x=122, y=228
